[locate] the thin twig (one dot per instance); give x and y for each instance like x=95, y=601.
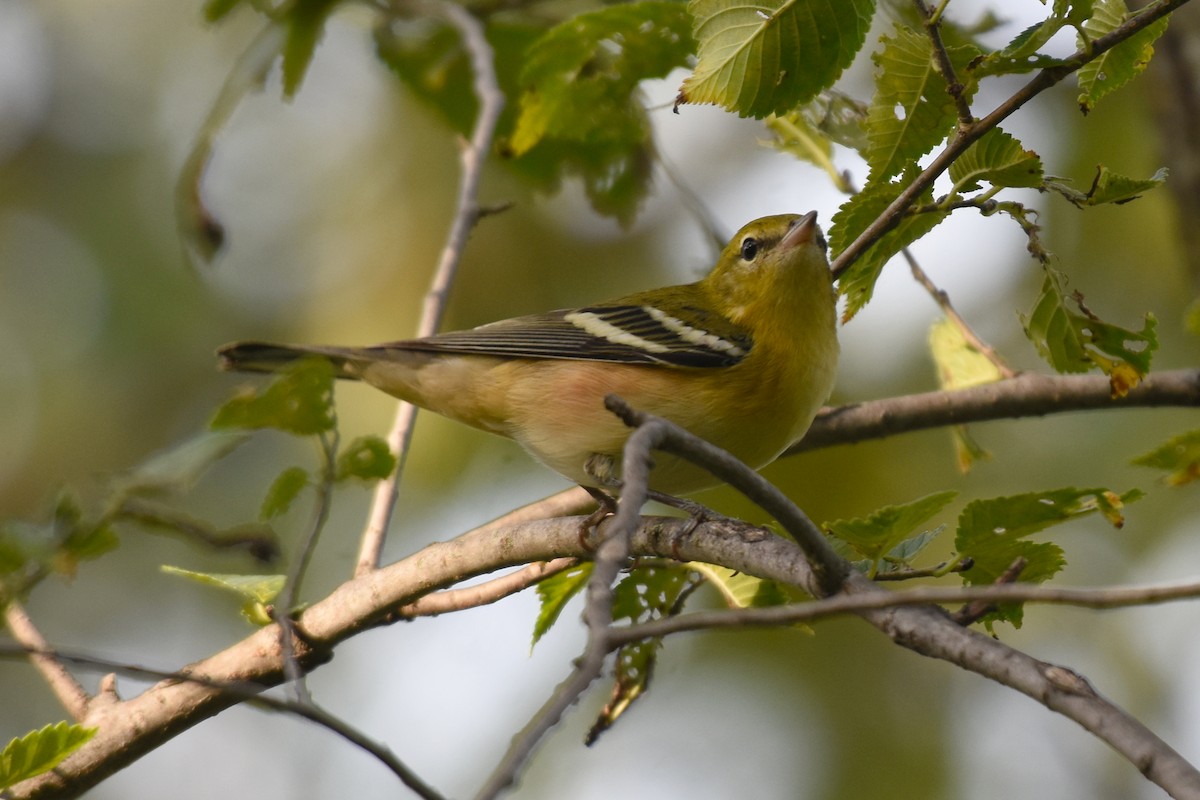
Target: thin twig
x=290, y=594
x=70, y=692
x=1101, y=598
x=483, y=594
x=967, y=135
x=954, y=86
x=943, y=300
x=251, y=693
x=472, y=156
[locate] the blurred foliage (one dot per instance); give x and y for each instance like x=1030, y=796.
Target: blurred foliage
x=337, y=203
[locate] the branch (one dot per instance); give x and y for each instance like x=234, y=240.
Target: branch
x=968, y=134
x=954, y=86
x=70, y=693
x=247, y=692
x=472, y=156
x=1101, y=598
x=1029, y=394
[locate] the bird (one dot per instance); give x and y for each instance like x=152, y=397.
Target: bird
x=743, y=358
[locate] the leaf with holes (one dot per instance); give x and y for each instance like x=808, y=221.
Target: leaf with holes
x=994, y=534
x=298, y=400
x=1115, y=67
x=911, y=110
x=646, y=593
x=1076, y=341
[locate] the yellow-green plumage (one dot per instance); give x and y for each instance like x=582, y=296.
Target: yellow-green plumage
x=743, y=358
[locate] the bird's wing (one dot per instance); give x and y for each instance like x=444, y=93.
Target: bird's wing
x=627, y=333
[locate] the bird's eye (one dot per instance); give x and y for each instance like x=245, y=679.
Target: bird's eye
x=749, y=248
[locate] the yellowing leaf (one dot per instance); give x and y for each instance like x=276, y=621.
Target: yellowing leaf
x=1179, y=458
x=738, y=589
x=768, y=56
x=1076, y=341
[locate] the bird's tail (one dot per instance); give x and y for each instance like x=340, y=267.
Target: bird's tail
x=266, y=357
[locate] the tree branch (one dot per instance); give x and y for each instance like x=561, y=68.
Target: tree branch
x=472, y=156
x=70, y=693
x=1029, y=394
x=968, y=134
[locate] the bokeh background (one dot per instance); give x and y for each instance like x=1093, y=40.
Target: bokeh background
x=336, y=205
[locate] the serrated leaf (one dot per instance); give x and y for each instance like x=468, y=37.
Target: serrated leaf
x=256, y=591
x=769, y=56
x=738, y=589
x=283, y=492
x=177, y=470
x=298, y=400
x=554, y=593
x=1115, y=67
x=857, y=283
x=1179, y=457
x=993, y=533
x=1107, y=187
x=875, y=535
x=646, y=593
x=40, y=751
x=998, y=159
x=911, y=110
x=366, y=458
x=579, y=101
x=1076, y=341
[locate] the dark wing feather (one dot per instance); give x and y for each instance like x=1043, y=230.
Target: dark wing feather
x=626, y=334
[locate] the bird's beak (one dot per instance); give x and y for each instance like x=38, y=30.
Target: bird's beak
x=801, y=231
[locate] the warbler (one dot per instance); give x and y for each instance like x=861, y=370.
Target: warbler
x=743, y=358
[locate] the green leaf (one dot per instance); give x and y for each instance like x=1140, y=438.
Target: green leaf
x=1179, y=457
x=738, y=589
x=214, y=10
x=1115, y=67
x=257, y=591
x=998, y=159
x=283, y=492
x=1107, y=187
x=40, y=751
x=911, y=111
x=993, y=534
x=857, y=283
x=1073, y=341
x=554, y=593
x=366, y=458
x=177, y=470
x=646, y=593
x=298, y=400
x=793, y=135
x=876, y=535
x=579, y=100
x=771, y=55
x=78, y=539
x=427, y=55
x=304, y=24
